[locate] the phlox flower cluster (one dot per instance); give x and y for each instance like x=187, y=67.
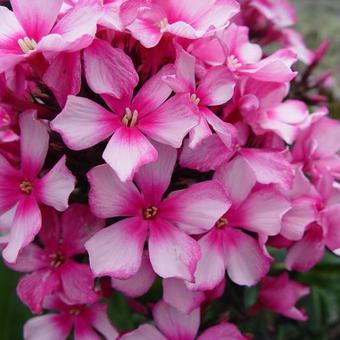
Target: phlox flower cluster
x=157, y=144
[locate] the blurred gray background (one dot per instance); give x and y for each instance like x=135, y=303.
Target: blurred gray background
x=318, y=20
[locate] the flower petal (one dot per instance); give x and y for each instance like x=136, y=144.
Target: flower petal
x=127, y=150
x=139, y=283
x=210, y=268
x=109, y=197
x=171, y=122
x=154, y=92
x=261, y=212
x=306, y=253
x=174, y=324
x=108, y=257
x=10, y=180
x=33, y=288
x=100, y=321
x=77, y=283
x=26, y=225
x=83, y=123
x=10, y=32
x=172, y=252
x=296, y=219
x=224, y=330
x=153, y=179
x=210, y=154
x=144, y=332
x=37, y=20
x=82, y=330
x=75, y=30
x=33, y=144
x=245, y=261
x=216, y=87
x=56, y=186
x=70, y=82
x=30, y=259
x=237, y=178
x=48, y=327
x=197, y=208
x=176, y=294
x=269, y=166
x=109, y=70
x=78, y=224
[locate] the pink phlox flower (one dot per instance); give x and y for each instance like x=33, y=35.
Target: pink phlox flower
x=319, y=154
x=165, y=223
x=280, y=14
x=215, y=88
x=229, y=47
x=148, y=21
x=52, y=268
x=252, y=207
x=86, y=321
x=31, y=28
x=22, y=190
x=233, y=49
x=149, y=115
x=260, y=104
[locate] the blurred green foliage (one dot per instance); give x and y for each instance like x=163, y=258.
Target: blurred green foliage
x=12, y=312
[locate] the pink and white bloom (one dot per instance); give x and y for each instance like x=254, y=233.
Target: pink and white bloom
x=52, y=268
x=280, y=14
x=21, y=190
x=172, y=324
x=30, y=28
x=149, y=115
x=148, y=21
x=165, y=223
x=230, y=47
x=280, y=294
x=319, y=154
x=86, y=321
x=257, y=209
x=260, y=104
x=216, y=87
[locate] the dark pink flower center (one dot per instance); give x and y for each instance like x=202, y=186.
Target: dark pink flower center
x=130, y=118
x=150, y=213
x=26, y=187
x=195, y=99
x=221, y=223
x=57, y=259
x=75, y=311
x=27, y=45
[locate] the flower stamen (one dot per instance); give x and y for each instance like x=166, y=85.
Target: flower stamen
x=150, y=213
x=195, y=99
x=221, y=223
x=57, y=259
x=233, y=62
x=26, y=187
x=130, y=118
x=163, y=24
x=27, y=45
x=75, y=311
